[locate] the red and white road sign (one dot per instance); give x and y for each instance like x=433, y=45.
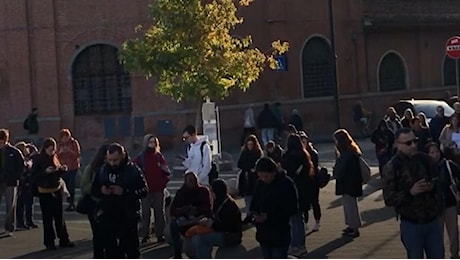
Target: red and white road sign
x=453, y=47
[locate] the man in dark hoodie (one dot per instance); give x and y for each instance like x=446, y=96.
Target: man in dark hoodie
x=119, y=185
x=275, y=201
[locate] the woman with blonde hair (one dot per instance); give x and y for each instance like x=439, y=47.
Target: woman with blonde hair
x=349, y=182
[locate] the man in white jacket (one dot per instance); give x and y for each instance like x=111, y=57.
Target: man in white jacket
x=199, y=155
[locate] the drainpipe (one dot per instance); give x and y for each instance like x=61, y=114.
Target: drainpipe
x=334, y=62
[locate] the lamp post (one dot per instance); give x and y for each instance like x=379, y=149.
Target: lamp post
x=334, y=63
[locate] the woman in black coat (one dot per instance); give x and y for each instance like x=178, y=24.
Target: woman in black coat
x=247, y=177
x=349, y=182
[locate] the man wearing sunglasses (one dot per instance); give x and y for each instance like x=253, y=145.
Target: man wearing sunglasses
x=411, y=187
x=199, y=154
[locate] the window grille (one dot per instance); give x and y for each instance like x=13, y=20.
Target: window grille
x=449, y=72
x=392, y=73
x=100, y=83
x=317, y=67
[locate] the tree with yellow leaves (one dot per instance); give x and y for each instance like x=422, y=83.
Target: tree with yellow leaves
x=191, y=52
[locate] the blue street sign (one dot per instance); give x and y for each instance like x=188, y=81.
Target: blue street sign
x=281, y=62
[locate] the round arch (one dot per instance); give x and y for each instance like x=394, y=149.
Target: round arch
x=392, y=72
x=99, y=81
x=316, y=67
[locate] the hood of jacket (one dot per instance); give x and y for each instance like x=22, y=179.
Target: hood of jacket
x=145, y=141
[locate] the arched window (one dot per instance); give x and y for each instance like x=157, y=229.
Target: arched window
x=100, y=83
x=317, y=68
x=392, y=73
x=449, y=72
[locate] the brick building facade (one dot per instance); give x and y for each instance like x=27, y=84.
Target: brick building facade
x=58, y=55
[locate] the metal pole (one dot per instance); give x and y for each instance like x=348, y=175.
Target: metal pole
x=334, y=64
x=457, y=79
x=219, y=140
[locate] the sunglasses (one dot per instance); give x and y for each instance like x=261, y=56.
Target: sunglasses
x=410, y=142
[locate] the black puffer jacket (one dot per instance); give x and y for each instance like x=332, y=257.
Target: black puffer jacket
x=247, y=179
x=13, y=165
x=129, y=177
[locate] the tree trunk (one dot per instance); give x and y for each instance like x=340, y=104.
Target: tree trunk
x=198, y=121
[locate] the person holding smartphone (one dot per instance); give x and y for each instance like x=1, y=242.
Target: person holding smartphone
x=274, y=202
x=410, y=187
x=119, y=186
x=48, y=171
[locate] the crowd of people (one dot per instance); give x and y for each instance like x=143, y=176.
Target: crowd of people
x=280, y=183
x=49, y=174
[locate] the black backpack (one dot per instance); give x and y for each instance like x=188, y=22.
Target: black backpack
x=214, y=173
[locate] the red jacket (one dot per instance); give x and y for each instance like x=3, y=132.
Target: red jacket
x=69, y=154
x=156, y=178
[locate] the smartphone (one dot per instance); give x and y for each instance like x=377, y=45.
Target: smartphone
x=433, y=180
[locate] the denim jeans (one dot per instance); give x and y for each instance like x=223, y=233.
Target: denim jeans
x=267, y=134
x=297, y=231
x=25, y=202
x=203, y=244
x=270, y=252
x=70, y=179
x=419, y=238
x=10, y=199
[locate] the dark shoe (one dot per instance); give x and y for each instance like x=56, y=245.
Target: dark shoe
x=32, y=225
x=70, y=208
x=161, y=239
x=51, y=247
x=22, y=228
x=67, y=244
x=347, y=230
x=352, y=234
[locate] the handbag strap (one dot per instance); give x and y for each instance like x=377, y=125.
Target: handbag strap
x=450, y=172
x=220, y=207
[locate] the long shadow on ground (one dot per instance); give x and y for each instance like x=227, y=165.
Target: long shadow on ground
x=377, y=215
x=323, y=251
x=81, y=247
